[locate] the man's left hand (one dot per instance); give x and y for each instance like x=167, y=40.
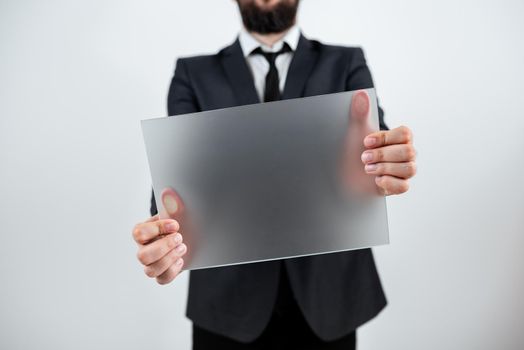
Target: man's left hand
x=390, y=156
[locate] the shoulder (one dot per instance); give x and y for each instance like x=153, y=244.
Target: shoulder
x=197, y=67
x=200, y=61
x=205, y=64
x=349, y=53
x=196, y=63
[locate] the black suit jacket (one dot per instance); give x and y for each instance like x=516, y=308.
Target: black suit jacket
x=336, y=292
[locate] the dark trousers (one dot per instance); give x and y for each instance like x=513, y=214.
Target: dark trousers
x=287, y=329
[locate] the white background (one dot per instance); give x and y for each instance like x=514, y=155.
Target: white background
x=77, y=76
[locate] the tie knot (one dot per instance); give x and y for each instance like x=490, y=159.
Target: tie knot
x=271, y=56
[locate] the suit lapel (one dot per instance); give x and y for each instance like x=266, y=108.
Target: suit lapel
x=303, y=61
x=239, y=75
x=241, y=79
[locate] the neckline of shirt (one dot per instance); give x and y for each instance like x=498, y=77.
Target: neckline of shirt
x=248, y=42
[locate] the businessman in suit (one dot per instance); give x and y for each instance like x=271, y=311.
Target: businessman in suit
x=314, y=302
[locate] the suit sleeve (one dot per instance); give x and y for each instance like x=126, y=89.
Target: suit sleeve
x=359, y=77
x=181, y=99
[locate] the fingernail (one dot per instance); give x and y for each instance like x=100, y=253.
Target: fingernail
x=171, y=227
x=179, y=261
x=370, y=141
x=178, y=238
x=370, y=167
x=170, y=204
x=181, y=248
x=367, y=156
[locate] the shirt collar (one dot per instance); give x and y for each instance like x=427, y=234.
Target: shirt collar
x=248, y=42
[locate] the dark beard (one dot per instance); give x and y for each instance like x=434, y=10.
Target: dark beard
x=276, y=20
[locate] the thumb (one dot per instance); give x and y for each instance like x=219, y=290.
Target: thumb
x=172, y=203
x=356, y=180
x=360, y=107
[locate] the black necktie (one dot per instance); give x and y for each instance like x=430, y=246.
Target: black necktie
x=272, y=90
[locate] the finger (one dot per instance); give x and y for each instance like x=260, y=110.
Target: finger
x=399, y=135
x=145, y=232
x=154, y=251
x=392, y=153
x=172, y=202
x=392, y=185
x=159, y=267
x=171, y=272
x=360, y=106
x=401, y=170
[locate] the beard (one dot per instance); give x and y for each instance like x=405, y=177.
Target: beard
x=277, y=19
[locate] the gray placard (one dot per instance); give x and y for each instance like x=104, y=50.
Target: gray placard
x=269, y=181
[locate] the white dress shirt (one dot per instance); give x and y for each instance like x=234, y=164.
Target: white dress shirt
x=259, y=66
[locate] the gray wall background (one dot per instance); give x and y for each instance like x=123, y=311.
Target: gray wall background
x=77, y=76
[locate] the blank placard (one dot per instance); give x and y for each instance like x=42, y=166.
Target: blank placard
x=268, y=181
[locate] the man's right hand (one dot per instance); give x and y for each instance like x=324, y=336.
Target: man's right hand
x=160, y=246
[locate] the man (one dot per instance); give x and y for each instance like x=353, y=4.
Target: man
x=314, y=302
